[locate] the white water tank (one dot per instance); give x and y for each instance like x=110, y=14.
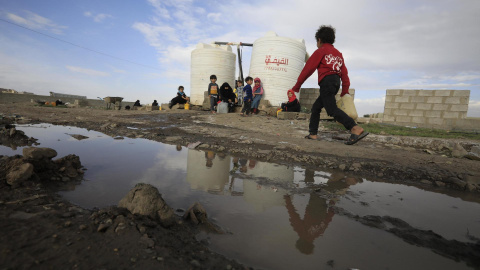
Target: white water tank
x=208, y=59
x=277, y=61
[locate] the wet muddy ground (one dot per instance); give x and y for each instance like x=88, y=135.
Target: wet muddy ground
x=319, y=203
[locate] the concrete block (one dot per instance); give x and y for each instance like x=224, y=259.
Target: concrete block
x=458, y=108
x=404, y=119
x=440, y=107
x=453, y=115
x=165, y=106
x=461, y=93
x=410, y=92
x=462, y=115
x=443, y=93
x=419, y=120
x=456, y=100
x=407, y=106
x=435, y=100
x=402, y=99
x=417, y=99
x=416, y=113
x=434, y=114
x=388, y=111
x=423, y=106
x=391, y=105
x=388, y=118
x=435, y=121
x=287, y=115
x=389, y=98
x=425, y=93
x=394, y=92
x=400, y=112
x=152, y=108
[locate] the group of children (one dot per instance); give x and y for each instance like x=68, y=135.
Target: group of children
x=247, y=96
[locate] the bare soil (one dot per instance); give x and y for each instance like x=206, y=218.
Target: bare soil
x=48, y=232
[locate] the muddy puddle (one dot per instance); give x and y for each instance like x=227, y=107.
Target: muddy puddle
x=276, y=216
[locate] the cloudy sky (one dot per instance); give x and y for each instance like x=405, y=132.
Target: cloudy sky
x=141, y=49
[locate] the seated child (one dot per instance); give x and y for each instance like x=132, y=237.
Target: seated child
x=137, y=103
x=155, y=103
x=293, y=105
x=181, y=98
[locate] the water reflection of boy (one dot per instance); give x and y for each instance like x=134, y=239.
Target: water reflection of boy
x=252, y=163
x=243, y=164
x=309, y=176
x=314, y=223
x=179, y=147
x=317, y=213
x=209, y=156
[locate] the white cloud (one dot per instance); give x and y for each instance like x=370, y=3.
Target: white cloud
x=36, y=22
x=90, y=72
x=474, y=108
x=214, y=17
x=99, y=17
x=369, y=106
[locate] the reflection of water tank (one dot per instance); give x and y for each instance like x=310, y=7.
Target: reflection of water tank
x=277, y=61
x=274, y=172
x=211, y=179
x=207, y=60
x=264, y=196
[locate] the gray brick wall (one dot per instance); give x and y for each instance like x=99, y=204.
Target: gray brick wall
x=309, y=95
x=9, y=98
x=426, y=108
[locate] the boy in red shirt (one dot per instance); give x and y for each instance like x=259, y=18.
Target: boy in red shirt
x=330, y=66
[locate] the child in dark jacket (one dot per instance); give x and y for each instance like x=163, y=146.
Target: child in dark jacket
x=247, y=96
x=293, y=105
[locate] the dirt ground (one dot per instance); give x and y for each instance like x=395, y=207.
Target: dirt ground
x=37, y=230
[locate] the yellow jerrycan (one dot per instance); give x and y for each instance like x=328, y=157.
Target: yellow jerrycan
x=186, y=106
x=346, y=104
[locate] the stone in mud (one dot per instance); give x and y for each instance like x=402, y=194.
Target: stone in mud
x=36, y=153
x=19, y=174
x=197, y=215
x=12, y=132
x=439, y=183
x=474, y=153
x=144, y=199
x=458, y=151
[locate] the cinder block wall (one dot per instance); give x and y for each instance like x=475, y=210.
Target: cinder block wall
x=309, y=95
x=12, y=98
x=426, y=108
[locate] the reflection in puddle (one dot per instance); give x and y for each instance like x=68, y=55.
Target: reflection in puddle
x=279, y=216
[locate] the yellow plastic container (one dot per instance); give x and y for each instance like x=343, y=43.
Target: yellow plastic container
x=187, y=106
x=346, y=104
x=159, y=108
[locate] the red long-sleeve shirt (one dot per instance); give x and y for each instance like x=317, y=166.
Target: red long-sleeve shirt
x=326, y=60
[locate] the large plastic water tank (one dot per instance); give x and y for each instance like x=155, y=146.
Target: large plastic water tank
x=208, y=59
x=277, y=61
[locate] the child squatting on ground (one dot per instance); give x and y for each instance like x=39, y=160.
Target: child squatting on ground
x=181, y=98
x=213, y=93
x=330, y=66
x=247, y=96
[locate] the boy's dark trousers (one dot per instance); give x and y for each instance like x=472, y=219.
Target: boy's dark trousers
x=328, y=89
x=213, y=103
x=247, y=106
